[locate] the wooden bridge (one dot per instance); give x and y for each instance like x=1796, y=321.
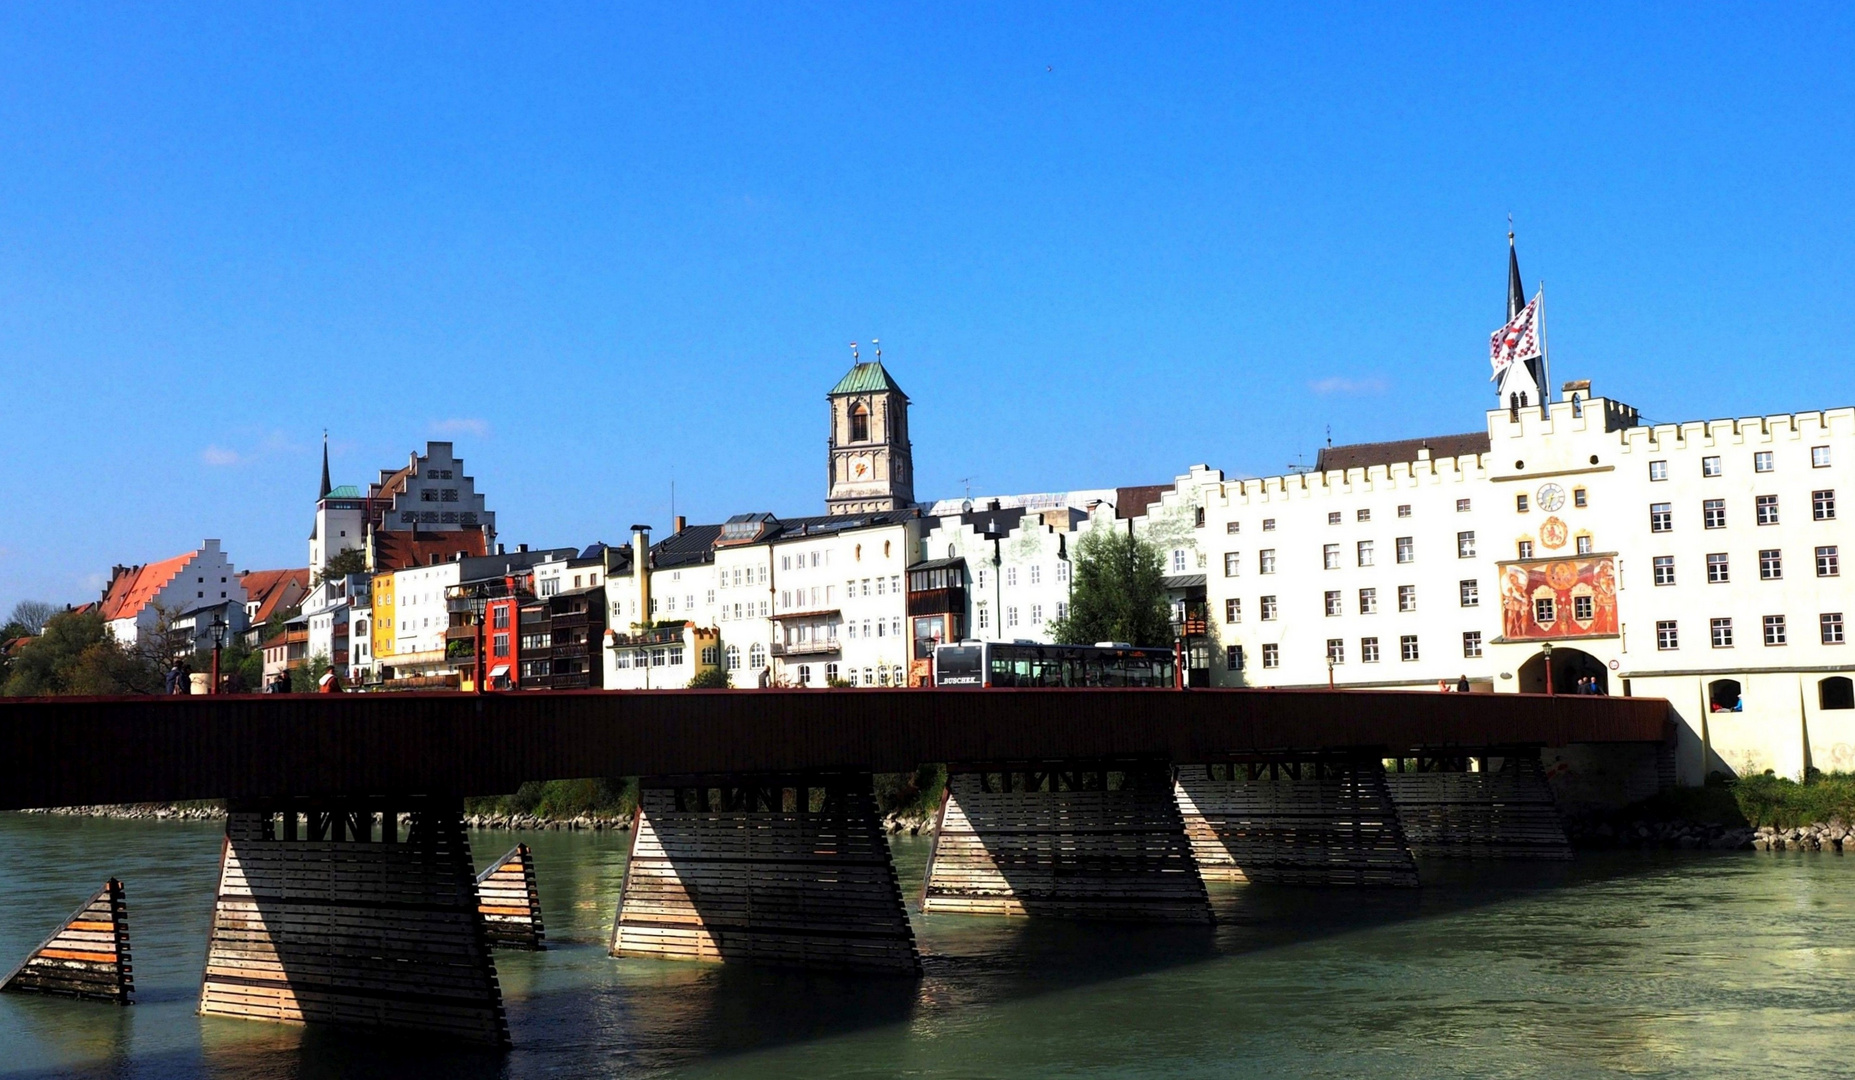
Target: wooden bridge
x=348, y=894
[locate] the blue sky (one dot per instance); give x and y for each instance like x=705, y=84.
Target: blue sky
x=602, y=246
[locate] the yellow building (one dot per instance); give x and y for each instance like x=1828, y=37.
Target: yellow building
x=384, y=620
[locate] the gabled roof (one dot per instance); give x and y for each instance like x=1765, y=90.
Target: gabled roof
x=273, y=589
x=134, y=586
x=1365, y=455
x=394, y=550
x=866, y=378
x=1132, y=502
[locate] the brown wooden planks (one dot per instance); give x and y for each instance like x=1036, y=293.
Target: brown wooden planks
x=1507, y=813
x=1335, y=825
x=509, y=902
x=87, y=957
x=1119, y=854
x=812, y=889
x=355, y=932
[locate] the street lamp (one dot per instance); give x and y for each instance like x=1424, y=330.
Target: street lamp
x=479, y=601
x=218, y=644
x=1546, y=650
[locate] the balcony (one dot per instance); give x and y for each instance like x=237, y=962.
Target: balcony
x=805, y=648
x=664, y=635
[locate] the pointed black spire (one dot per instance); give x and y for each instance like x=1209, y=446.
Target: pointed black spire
x=1516, y=292
x=325, y=484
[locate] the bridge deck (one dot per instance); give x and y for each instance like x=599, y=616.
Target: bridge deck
x=72, y=751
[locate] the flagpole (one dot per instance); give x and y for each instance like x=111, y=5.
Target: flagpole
x=1545, y=359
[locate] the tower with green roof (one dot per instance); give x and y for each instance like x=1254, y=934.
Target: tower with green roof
x=871, y=464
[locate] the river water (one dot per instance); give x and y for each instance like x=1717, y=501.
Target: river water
x=1696, y=964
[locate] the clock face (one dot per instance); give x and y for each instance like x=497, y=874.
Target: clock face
x=1550, y=497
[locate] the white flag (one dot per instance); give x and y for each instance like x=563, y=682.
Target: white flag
x=1517, y=341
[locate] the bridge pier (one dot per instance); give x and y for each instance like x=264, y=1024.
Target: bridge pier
x=1100, y=840
x=510, y=902
x=360, y=913
x=784, y=869
x=1325, y=821
x=1503, y=809
x=86, y=957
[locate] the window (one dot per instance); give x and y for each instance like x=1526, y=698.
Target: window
x=1368, y=650
x=1330, y=556
x=1407, y=549
x=676, y=656
x=1265, y=561
x=1011, y=617
x=1471, y=643
x=1718, y=573
x=1819, y=457
x=1407, y=598
x=1664, y=569
x=1661, y=517
x=1333, y=517
x=1836, y=692
x=1462, y=506
x=1470, y=592
x=1407, y=647
x=708, y=655
x=1823, y=505
x=1363, y=515
x=1774, y=630
x=1178, y=560
x=733, y=654
x=1520, y=503
x=1721, y=632
x=1233, y=611
x=1713, y=512
x=1832, y=627
x=1233, y=658
x=1268, y=524
x=1036, y=614
x=1334, y=606
x=1770, y=565
x=1062, y=610
x=1011, y=575
x=1365, y=553
x=1544, y=612
x=859, y=423
x=1234, y=527
x=1404, y=510
x=1583, y=543
x=1336, y=650
x=1062, y=572
x=1828, y=564
x=1036, y=576
x=1268, y=609
x=1761, y=461
x=1465, y=545
x=985, y=617
x=1368, y=601
x=1579, y=498
x=979, y=580
x=1524, y=549
x=499, y=619
x=1583, y=608
x=1271, y=656
x=1667, y=637
x=756, y=656
x=1710, y=466
x=1231, y=561
x=1658, y=470
x=1767, y=510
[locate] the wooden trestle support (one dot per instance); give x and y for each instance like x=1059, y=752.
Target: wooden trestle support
x=1317, y=822
x=1503, y=812
x=1081, y=840
x=88, y=956
x=330, y=913
x=510, y=903
x=785, y=870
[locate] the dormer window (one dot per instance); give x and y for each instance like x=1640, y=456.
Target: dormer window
x=859, y=423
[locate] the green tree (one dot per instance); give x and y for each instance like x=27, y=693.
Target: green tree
x=305, y=676
x=76, y=655
x=711, y=679
x=351, y=561
x=1119, y=592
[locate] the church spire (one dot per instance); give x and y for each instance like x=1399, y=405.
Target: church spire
x=325, y=483
x=1516, y=292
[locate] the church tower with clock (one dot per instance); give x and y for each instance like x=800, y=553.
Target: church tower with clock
x=871, y=464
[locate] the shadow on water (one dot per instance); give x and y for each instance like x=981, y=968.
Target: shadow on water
x=573, y=1010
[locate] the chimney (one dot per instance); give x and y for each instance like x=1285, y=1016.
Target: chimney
x=501, y=549
x=521, y=547
x=681, y=523
x=641, y=569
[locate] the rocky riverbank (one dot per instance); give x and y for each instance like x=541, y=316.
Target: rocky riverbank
x=140, y=811
x=1832, y=835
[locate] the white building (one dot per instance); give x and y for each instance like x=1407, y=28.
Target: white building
x=431, y=494
x=177, y=597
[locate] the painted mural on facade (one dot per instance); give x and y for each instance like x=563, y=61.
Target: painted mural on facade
x=1557, y=598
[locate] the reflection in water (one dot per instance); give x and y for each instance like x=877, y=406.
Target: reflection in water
x=1690, y=965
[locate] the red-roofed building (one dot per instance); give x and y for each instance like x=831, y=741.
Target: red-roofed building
x=179, y=597
x=392, y=550
x=270, y=591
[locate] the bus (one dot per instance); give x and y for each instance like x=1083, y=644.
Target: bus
x=989, y=664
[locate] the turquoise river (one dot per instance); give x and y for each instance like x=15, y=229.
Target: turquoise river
x=1625, y=964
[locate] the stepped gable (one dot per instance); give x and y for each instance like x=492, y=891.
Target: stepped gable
x=134, y=586
x=1366, y=455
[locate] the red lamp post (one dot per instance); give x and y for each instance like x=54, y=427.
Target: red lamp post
x=218, y=645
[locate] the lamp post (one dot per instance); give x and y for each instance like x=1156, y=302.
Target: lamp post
x=479, y=601
x=1546, y=650
x=218, y=644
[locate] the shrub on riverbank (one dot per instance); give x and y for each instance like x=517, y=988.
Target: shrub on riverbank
x=609, y=798
x=1755, y=801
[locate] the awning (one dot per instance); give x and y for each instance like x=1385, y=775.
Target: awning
x=499, y=671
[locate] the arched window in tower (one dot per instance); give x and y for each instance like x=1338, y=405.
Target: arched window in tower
x=859, y=423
